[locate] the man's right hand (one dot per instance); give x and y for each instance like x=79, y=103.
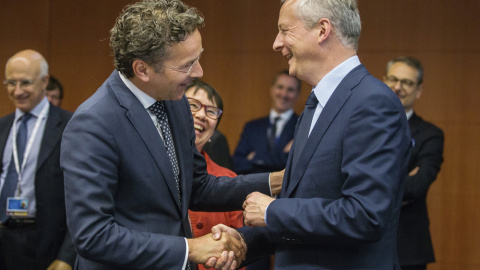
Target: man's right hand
x=219, y=231
x=228, y=250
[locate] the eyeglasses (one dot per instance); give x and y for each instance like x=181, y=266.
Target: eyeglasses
x=186, y=68
x=210, y=111
x=405, y=83
x=12, y=84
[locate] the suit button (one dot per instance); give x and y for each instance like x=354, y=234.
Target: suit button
x=199, y=225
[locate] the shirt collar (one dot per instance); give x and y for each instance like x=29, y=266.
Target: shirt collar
x=145, y=99
x=324, y=89
x=409, y=114
x=34, y=112
x=283, y=116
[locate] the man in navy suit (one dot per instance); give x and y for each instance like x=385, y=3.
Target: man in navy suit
x=36, y=237
x=405, y=77
x=131, y=166
x=259, y=150
x=344, y=179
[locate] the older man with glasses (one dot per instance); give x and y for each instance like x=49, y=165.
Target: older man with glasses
x=33, y=229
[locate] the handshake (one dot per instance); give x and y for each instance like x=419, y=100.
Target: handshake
x=224, y=248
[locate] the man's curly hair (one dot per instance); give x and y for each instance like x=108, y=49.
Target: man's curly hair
x=146, y=29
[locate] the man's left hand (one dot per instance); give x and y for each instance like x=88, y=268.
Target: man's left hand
x=255, y=206
x=59, y=265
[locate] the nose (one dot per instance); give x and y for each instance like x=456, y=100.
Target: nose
x=397, y=86
x=277, y=43
x=197, y=71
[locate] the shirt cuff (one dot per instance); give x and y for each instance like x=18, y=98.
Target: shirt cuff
x=186, y=255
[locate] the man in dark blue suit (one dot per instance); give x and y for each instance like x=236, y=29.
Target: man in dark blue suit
x=131, y=166
x=405, y=77
x=36, y=237
x=344, y=179
x=265, y=142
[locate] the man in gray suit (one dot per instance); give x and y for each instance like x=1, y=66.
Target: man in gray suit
x=131, y=167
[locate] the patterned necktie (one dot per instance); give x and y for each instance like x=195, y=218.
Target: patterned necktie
x=158, y=109
x=11, y=179
x=304, y=127
x=273, y=133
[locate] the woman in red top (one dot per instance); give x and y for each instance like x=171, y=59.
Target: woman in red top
x=206, y=105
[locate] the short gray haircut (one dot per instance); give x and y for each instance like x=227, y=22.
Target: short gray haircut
x=411, y=62
x=343, y=14
x=43, y=68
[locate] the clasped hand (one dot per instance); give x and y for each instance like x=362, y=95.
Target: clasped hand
x=255, y=206
x=224, y=249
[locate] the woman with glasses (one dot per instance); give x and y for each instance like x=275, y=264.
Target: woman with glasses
x=207, y=106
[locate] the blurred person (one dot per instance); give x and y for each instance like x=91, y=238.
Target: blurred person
x=404, y=75
x=344, y=178
x=33, y=229
x=207, y=108
x=54, y=91
x=265, y=142
x=131, y=166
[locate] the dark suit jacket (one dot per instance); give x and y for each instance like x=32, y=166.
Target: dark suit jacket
x=218, y=150
x=254, y=139
x=342, y=200
x=414, y=241
x=123, y=207
x=55, y=242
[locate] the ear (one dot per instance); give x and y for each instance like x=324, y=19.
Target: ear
x=45, y=82
x=419, y=91
x=325, y=29
x=142, y=70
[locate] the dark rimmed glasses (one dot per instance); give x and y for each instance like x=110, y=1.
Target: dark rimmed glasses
x=405, y=83
x=210, y=111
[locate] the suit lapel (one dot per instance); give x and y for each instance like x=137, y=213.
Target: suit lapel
x=141, y=121
x=331, y=110
x=173, y=112
x=5, y=130
x=51, y=135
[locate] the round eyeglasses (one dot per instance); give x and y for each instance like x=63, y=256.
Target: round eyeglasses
x=210, y=111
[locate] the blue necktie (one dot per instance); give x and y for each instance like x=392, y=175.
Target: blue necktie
x=304, y=127
x=272, y=140
x=11, y=179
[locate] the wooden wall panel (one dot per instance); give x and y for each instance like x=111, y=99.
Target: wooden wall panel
x=240, y=63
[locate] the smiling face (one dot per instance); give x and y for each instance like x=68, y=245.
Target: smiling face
x=403, y=80
x=169, y=84
x=26, y=66
x=284, y=93
x=296, y=43
x=204, y=126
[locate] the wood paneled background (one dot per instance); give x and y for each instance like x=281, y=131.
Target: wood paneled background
x=240, y=63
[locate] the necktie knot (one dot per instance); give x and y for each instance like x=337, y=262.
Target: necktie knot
x=158, y=109
x=312, y=100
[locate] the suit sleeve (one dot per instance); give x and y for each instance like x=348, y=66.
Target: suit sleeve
x=375, y=145
x=429, y=158
x=90, y=162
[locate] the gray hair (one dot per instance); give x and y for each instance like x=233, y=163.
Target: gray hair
x=146, y=29
x=411, y=62
x=343, y=14
x=43, y=68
